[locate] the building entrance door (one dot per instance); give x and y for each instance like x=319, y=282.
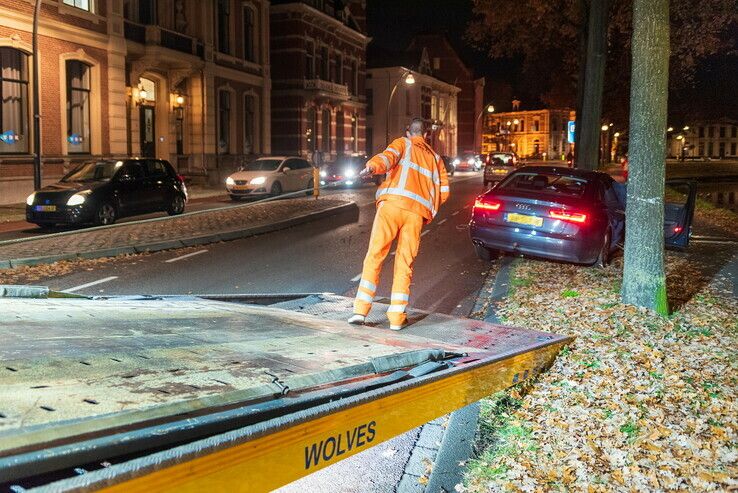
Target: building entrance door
x=148, y=131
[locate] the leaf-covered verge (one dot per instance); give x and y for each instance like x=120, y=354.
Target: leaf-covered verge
x=637, y=403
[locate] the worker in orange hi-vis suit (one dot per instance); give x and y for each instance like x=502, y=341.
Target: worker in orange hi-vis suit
x=410, y=197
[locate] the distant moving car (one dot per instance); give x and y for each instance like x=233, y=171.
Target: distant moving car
x=447, y=163
x=271, y=176
x=345, y=172
x=467, y=162
x=565, y=214
x=499, y=165
x=102, y=191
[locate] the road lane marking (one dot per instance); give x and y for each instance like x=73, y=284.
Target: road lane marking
x=454, y=213
x=187, y=255
x=442, y=221
x=425, y=232
x=356, y=278
x=89, y=284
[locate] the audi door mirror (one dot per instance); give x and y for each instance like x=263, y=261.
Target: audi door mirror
x=285, y=169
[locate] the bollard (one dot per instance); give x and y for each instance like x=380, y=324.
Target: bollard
x=316, y=182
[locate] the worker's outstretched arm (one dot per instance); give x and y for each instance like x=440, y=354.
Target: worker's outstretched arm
x=383, y=162
x=445, y=190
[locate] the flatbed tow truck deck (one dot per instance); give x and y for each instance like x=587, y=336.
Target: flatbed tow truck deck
x=228, y=392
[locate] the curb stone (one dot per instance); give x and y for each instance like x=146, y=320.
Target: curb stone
x=457, y=439
x=192, y=241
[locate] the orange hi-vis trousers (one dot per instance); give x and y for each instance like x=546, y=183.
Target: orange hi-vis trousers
x=390, y=222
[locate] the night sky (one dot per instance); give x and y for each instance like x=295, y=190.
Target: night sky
x=392, y=24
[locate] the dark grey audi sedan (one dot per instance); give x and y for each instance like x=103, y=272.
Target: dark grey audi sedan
x=563, y=214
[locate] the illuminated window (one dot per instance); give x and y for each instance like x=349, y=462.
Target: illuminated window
x=13, y=101
x=80, y=4
x=326, y=131
x=78, y=107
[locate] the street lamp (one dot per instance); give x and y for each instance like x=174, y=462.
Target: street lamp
x=409, y=80
x=604, y=143
x=489, y=109
x=670, y=129
x=686, y=127
x=36, y=101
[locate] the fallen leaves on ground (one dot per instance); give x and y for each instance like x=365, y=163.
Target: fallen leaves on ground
x=637, y=403
x=49, y=272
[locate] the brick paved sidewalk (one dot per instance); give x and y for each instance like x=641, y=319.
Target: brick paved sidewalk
x=168, y=232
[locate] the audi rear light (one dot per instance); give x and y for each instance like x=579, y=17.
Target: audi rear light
x=487, y=205
x=572, y=217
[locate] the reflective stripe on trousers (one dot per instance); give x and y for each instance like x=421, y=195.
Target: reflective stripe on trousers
x=390, y=222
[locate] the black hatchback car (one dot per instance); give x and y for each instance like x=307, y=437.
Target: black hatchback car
x=566, y=214
x=100, y=192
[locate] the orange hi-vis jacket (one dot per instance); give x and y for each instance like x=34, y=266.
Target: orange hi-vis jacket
x=416, y=176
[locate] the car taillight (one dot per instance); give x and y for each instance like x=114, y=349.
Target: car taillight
x=181, y=178
x=573, y=217
x=487, y=205
x=677, y=229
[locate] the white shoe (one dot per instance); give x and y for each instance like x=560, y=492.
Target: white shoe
x=397, y=327
x=357, y=319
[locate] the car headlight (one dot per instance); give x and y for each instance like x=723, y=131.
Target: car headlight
x=470, y=160
x=76, y=199
x=259, y=180
x=456, y=161
x=349, y=173
x=230, y=181
x=31, y=198
x=323, y=174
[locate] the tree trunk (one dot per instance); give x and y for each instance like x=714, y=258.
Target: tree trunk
x=588, y=119
x=644, y=280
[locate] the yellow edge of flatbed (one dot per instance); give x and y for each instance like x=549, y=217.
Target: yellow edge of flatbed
x=276, y=458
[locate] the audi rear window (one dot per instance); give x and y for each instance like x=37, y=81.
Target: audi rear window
x=548, y=183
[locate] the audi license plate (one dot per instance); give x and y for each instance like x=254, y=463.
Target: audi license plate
x=45, y=208
x=524, y=219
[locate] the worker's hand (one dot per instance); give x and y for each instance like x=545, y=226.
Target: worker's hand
x=367, y=171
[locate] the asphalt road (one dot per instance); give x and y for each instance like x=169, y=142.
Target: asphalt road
x=324, y=256
x=22, y=229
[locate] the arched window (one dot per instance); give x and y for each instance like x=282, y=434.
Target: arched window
x=13, y=101
x=78, y=107
x=326, y=134
x=249, y=124
x=224, y=122
x=249, y=33
x=310, y=133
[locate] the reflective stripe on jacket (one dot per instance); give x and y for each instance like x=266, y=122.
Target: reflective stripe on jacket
x=416, y=176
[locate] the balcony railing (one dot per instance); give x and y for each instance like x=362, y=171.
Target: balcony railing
x=155, y=35
x=135, y=32
x=327, y=87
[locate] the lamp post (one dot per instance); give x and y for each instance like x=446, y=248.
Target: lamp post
x=489, y=109
x=409, y=80
x=605, y=138
x=36, y=103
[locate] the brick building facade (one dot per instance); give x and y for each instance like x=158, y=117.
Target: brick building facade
x=183, y=80
x=318, y=52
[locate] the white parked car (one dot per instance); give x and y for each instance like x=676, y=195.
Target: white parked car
x=271, y=176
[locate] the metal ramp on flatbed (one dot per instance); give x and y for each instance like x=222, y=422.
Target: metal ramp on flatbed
x=228, y=392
